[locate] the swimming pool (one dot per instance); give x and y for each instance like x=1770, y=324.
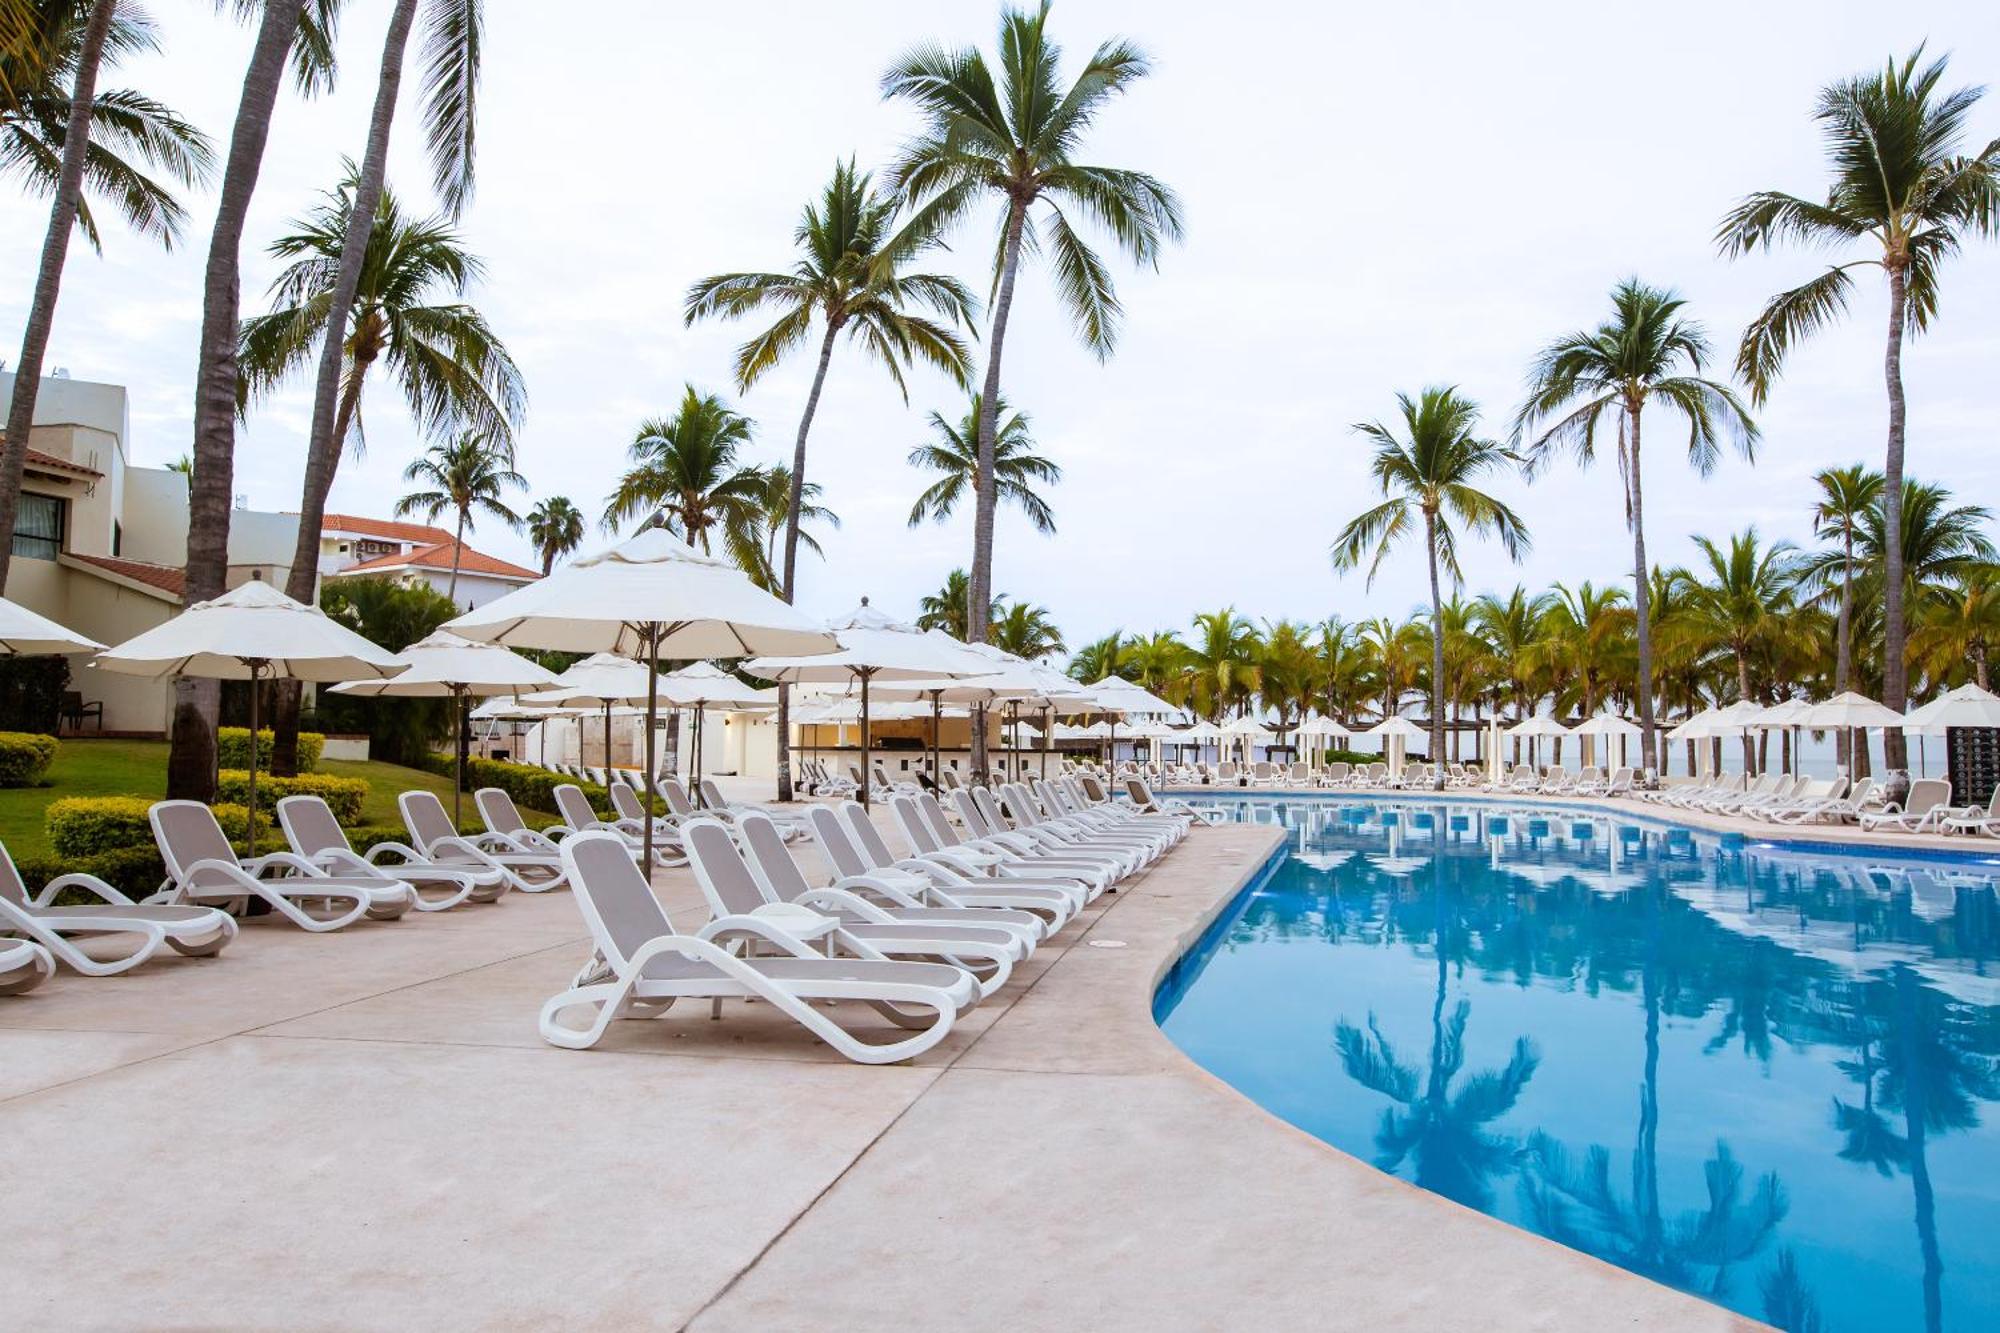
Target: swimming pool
x=1760, y=1072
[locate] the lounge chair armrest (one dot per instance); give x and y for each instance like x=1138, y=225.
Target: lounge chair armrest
x=282, y=861
x=839, y=899
x=401, y=851
x=78, y=880
x=868, y=886
x=723, y=927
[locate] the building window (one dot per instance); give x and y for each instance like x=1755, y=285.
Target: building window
x=38, y=531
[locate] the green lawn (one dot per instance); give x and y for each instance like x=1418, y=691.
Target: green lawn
x=139, y=768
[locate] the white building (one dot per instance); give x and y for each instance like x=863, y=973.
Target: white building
x=412, y=553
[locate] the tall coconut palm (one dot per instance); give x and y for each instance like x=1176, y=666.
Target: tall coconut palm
x=1014, y=139
x=1645, y=354
x=1742, y=607
x=849, y=277
x=1904, y=191
x=945, y=608
x=1096, y=660
x=1431, y=477
x=954, y=452
x=1157, y=661
x=555, y=527
x=452, y=45
x=1222, y=662
x=1587, y=641
x=197, y=704
x=1846, y=496
x=1513, y=626
x=1026, y=630
x=469, y=475
x=59, y=132
x=687, y=474
x=774, y=504
x=1957, y=629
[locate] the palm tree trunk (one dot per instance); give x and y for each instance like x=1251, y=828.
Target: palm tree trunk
x=457, y=554
x=1437, y=654
x=794, y=505
x=979, y=587
x=48, y=279
x=1843, y=650
x=1895, y=671
x=191, y=761
x=1642, y=609
x=326, y=439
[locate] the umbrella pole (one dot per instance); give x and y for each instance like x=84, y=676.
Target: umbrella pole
x=1045, y=743
x=937, y=722
x=867, y=769
x=607, y=741
x=457, y=753
x=250, y=825
x=652, y=715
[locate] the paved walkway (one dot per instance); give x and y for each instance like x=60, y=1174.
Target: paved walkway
x=364, y=1130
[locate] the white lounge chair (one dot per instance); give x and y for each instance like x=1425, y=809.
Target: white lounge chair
x=1100, y=868
x=850, y=850
x=1923, y=810
x=644, y=965
x=24, y=965
x=1837, y=804
x=437, y=840
x=791, y=823
x=1975, y=818
x=930, y=833
x=197, y=932
x=1146, y=801
x=203, y=869
x=315, y=834
x=579, y=816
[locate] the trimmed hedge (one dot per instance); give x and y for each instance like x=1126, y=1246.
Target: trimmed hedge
x=134, y=871
x=25, y=757
x=232, y=748
x=84, y=826
x=343, y=795
x=531, y=787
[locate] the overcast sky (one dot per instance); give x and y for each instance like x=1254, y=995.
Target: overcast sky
x=1378, y=198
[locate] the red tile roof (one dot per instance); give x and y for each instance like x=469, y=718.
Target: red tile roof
x=438, y=556
x=36, y=458
x=421, y=533
x=164, y=577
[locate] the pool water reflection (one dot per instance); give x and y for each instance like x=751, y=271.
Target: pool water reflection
x=1758, y=1073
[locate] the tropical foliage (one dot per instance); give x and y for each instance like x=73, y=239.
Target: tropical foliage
x=470, y=475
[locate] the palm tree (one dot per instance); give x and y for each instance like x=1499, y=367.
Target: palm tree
x=1743, y=607
x=774, y=505
x=468, y=475
x=197, y=703
x=555, y=527
x=686, y=475
x=1027, y=631
x=1646, y=353
x=1901, y=187
x=955, y=454
x=1157, y=661
x=1959, y=627
x=452, y=45
x=1431, y=476
x=60, y=138
x=1222, y=662
x=1512, y=626
x=1095, y=661
x=945, y=608
x=1846, y=494
x=1015, y=140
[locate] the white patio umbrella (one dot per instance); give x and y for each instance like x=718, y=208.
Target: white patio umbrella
x=1203, y=733
x=602, y=681
x=1011, y=682
x=651, y=597
x=1317, y=727
x=1607, y=727
x=1853, y=713
x=1246, y=731
x=1787, y=715
x=1533, y=729
x=870, y=647
x=444, y=666
x=23, y=633
x=505, y=708
x=701, y=685
x=1966, y=706
x=1401, y=731
x=252, y=633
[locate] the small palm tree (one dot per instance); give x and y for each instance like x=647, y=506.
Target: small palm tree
x=1646, y=353
x=1026, y=631
x=1430, y=477
x=1743, y=607
x=1098, y=659
x=1846, y=496
x=1959, y=627
x=954, y=452
x=1223, y=660
x=849, y=277
x=945, y=608
x=1903, y=189
x=686, y=474
x=1014, y=139
x=469, y=475
x=555, y=527
x=775, y=506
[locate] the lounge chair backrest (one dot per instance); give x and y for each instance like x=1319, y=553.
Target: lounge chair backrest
x=866, y=836
x=1142, y=795
x=676, y=797
x=573, y=806
x=618, y=905
x=725, y=881
x=187, y=832
x=12, y=890
x=1339, y=770
x=310, y=826
x=831, y=836
x=1836, y=789
x=988, y=806
x=1926, y=794
x=711, y=795
x=496, y=807
x=916, y=830
x=625, y=802
x=1095, y=790
x=425, y=818
x=936, y=819
x=770, y=857
x=951, y=782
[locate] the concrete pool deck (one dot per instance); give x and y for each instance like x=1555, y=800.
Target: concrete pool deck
x=365, y=1130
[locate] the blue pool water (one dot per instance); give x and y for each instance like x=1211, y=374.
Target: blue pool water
x=1762, y=1073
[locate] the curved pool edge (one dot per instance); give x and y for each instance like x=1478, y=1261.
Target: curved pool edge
x=1512, y=1278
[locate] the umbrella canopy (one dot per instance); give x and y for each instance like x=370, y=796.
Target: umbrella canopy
x=443, y=665
x=1966, y=706
x=1850, y=710
x=1607, y=725
x=1538, y=725
x=601, y=678
x=651, y=596
x=1202, y=732
x=254, y=630
x=1247, y=727
x=1118, y=695
x=506, y=708
x=1789, y=713
x=707, y=685
x=1320, y=726
x=24, y=633
x=1397, y=725
x=1698, y=727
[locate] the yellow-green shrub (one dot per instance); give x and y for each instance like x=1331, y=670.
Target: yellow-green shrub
x=343, y=795
x=92, y=825
x=232, y=748
x=24, y=757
